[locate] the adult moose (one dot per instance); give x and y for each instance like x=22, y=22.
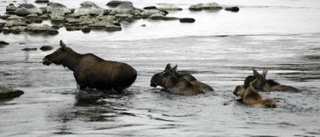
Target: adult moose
x=91, y=71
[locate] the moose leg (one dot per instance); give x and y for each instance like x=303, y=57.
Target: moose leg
x=121, y=90
x=80, y=81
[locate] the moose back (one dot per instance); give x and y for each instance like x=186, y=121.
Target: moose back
x=92, y=71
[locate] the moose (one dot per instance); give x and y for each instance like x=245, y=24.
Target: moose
x=269, y=85
x=174, y=82
x=91, y=71
x=249, y=95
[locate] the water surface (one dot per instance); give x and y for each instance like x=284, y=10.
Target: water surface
x=220, y=49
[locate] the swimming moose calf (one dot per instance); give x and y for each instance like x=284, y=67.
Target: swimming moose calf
x=185, y=84
x=92, y=71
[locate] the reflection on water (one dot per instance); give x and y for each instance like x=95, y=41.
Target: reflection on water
x=219, y=49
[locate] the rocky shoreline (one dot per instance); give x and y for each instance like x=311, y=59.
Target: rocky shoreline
x=8, y=93
x=89, y=16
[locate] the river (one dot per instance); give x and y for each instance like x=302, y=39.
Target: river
x=220, y=49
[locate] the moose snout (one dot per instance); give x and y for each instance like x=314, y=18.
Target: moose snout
x=46, y=61
x=153, y=84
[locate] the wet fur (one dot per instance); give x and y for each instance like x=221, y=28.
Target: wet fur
x=158, y=79
x=176, y=83
x=268, y=85
x=250, y=96
x=92, y=71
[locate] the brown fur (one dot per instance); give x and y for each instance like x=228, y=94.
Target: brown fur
x=173, y=82
x=92, y=71
x=268, y=85
x=250, y=96
x=157, y=79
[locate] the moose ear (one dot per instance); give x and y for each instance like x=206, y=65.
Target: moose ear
x=168, y=67
x=255, y=73
x=174, y=69
x=251, y=87
x=264, y=73
x=62, y=45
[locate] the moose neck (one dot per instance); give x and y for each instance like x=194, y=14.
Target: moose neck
x=71, y=60
x=173, y=80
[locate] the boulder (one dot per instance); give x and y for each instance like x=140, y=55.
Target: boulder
x=187, y=20
x=57, y=11
x=169, y=7
x=86, y=29
x=26, y=9
x=46, y=48
x=58, y=8
x=15, y=21
x=18, y=29
x=115, y=3
x=232, y=9
x=157, y=16
x=42, y=1
x=8, y=93
x=124, y=8
x=42, y=29
x=150, y=8
x=148, y=13
x=10, y=9
x=29, y=49
x=88, y=8
x=205, y=6
x=4, y=43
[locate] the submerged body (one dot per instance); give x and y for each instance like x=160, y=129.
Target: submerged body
x=250, y=96
x=92, y=71
x=269, y=85
x=177, y=83
x=157, y=79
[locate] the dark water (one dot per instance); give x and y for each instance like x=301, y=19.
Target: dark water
x=220, y=49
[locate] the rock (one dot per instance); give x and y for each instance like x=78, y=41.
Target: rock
x=88, y=8
x=53, y=32
x=112, y=27
x=4, y=17
x=206, y=6
x=29, y=49
x=57, y=7
x=6, y=30
x=72, y=28
x=187, y=20
x=232, y=9
x=124, y=17
x=18, y=29
x=57, y=11
x=150, y=8
x=26, y=9
x=42, y=1
x=10, y=9
x=157, y=16
x=42, y=29
x=8, y=93
x=86, y=29
x=46, y=48
x=169, y=7
x=115, y=3
x=4, y=43
x=124, y=8
x=148, y=13
x=12, y=21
